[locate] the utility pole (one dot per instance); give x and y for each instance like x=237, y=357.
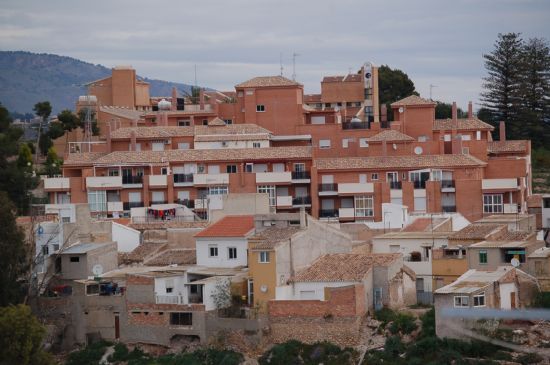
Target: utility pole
x=294, y=55
x=431, y=87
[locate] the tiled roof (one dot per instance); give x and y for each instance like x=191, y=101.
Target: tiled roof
x=267, y=81
x=474, y=280
x=333, y=78
x=229, y=226
x=232, y=137
x=82, y=158
x=152, y=132
x=382, y=162
x=462, y=124
x=390, y=135
x=173, y=256
x=423, y=224
x=247, y=128
x=507, y=146
x=542, y=252
x=216, y=122
x=233, y=154
x=503, y=244
x=270, y=237
x=312, y=98
x=515, y=236
x=126, y=113
x=412, y=100
x=477, y=231
x=141, y=252
x=343, y=267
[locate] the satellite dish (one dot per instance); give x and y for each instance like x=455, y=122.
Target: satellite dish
x=97, y=270
x=401, y=110
x=263, y=288
x=418, y=150
x=368, y=75
x=514, y=262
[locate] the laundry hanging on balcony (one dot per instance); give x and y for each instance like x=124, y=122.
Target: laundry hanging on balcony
x=161, y=214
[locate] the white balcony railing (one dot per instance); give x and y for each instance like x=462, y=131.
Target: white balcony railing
x=510, y=208
x=169, y=299
x=273, y=177
x=158, y=180
x=355, y=188
x=487, y=184
x=346, y=213
x=211, y=179
x=284, y=201
x=115, y=207
x=104, y=182
x=57, y=183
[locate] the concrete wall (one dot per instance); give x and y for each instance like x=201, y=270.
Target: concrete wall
x=127, y=238
x=242, y=204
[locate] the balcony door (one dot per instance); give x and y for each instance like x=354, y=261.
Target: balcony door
x=392, y=177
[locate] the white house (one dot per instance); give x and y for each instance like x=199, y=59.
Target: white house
x=224, y=243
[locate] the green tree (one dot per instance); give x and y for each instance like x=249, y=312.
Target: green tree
x=56, y=130
x=502, y=95
x=43, y=109
x=44, y=143
x=13, y=260
x=82, y=117
x=393, y=85
x=445, y=110
x=53, y=163
x=21, y=336
x=25, y=156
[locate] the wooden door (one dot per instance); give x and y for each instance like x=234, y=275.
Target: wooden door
x=513, y=300
x=117, y=327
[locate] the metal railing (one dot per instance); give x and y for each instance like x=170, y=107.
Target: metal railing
x=301, y=200
x=419, y=184
x=130, y=205
x=186, y=202
x=328, y=187
x=169, y=299
x=130, y=179
x=159, y=202
x=448, y=208
x=445, y=184
x=395, y=185
x=183, y=178
x=356, y=125
x=301, y=175
x=328, y=213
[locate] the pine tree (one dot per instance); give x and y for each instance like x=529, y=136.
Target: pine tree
x=502, y=85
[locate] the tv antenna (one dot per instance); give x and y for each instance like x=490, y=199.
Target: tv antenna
x=281, y=62
x=294, y=55
x=431, y=87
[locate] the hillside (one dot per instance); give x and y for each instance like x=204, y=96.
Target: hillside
x=27, y=78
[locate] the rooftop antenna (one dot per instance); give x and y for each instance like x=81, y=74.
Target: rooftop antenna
x=294, y=55
x=281, y=62
x=195, y=75
x=431, y=87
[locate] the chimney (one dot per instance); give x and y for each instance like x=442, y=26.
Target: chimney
x=502, y=130
x=108, y=136
x=384, y=148
x=455, y=113
x=133, y=140
x=383, y=113
x=201, y=99
x=174, y=99
x=470, y=110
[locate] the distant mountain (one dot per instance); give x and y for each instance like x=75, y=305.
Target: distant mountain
x=27, y=78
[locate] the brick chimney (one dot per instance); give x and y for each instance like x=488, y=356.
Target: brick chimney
x=174, y=99
x=502, y=131
x=455, y=115
x=383, y=113
x=384, y=148
x=133, y=140
x=108, y=136
x=201, y=99
x=470, y=110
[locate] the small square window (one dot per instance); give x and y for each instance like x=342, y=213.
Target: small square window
x=374, y=177
x=363, y=143
x=462, y=301
x=264, y=257
x=231, y=169
x=75, y=259
x=324, y=143
x=260, y=108
x=205, y=122
x=256, y=145
x=482, y=256
x=213, y=251
x=228, y=121
x=479, y=300
x=184, y=123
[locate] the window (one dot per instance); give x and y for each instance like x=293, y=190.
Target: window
x=374, y=177
x=164, y=171
x=478, y=135
x=437, y=175
x=212, y=251
x=492, y=203
x=113, y=172
x=169, y=285
x=183, y=146
x=264, y=257
x=138, y=147
x=465, y=150
x=205, y=122
x=92, y=289
x=517, y=253
x=45, y=250
x=363, y=142
x=482, y=256
x=327, y=105
x=231, y=169
x=184, y=123
x=301, y=167
x=260, y=108
x=422, y=138
x=228, y=121
x=97, y=199
x=181, y=319
x=218, y=190
x=479, y=300
x=269, y=190
x=232, y=253
x=256, y=145
x=345, y=143
x=324, y=143
x=466, y=137
x=462, y=301
x=249, y=167
x=74, y=259
x=364, y=206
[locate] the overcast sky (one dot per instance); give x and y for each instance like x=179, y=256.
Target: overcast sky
x=438, y=42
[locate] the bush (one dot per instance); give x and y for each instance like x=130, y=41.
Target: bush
x=529, y=358
x=404, y=323
x=90, y=355
x=295, y=352
x=542, y=300
x=385, y=315
x=428, y=324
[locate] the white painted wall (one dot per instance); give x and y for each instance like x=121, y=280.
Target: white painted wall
x=229, y=144
x=126, y=238
x=47, y=234
x=222, y=260
x=505, y=291
x=318, y=288
x=179, y=285
x=63, y=210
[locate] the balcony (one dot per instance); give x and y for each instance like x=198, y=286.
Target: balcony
x=158, y=181
x=301, y=176
x=132, y=180
x=104, y=182
x=186, y=203
x=447, y=186
x=211, y=179
x=348, y=213
x=356, y=125
x=273, y=177
x=169, y=299
x=130, y=205
x=301, y=200
x=395, y=185
x=419, y=184
x=115, y=206
x=511, y=208
x=328, y=189
x=158, y=202
x=328, y=213
x=57, y=184
x=183, y=180
x=499, y=184
x=355, y=188
x=284, y=202
x=448, y=208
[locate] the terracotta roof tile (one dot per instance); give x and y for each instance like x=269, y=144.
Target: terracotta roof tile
x=381, y=162
x=152, y=132
x=462, y=124
x=270, y=237
x=83, y=158
x=477, y=231
x=229, y=226
x=390, y=135
x=122, y=112
x=173, y=256
x=216, y=122
x=412, y=100
x=507, y=146
x=141, y=252
x=233, y=154
x=423, y=224
x=343, y=267
x=268, y=81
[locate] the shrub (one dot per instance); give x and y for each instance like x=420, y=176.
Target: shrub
x=529, y=358
x=428, y=323
x=90, y=355
x=295, y=352
x=404, y=323
x=542, y=300
x=385, y=315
